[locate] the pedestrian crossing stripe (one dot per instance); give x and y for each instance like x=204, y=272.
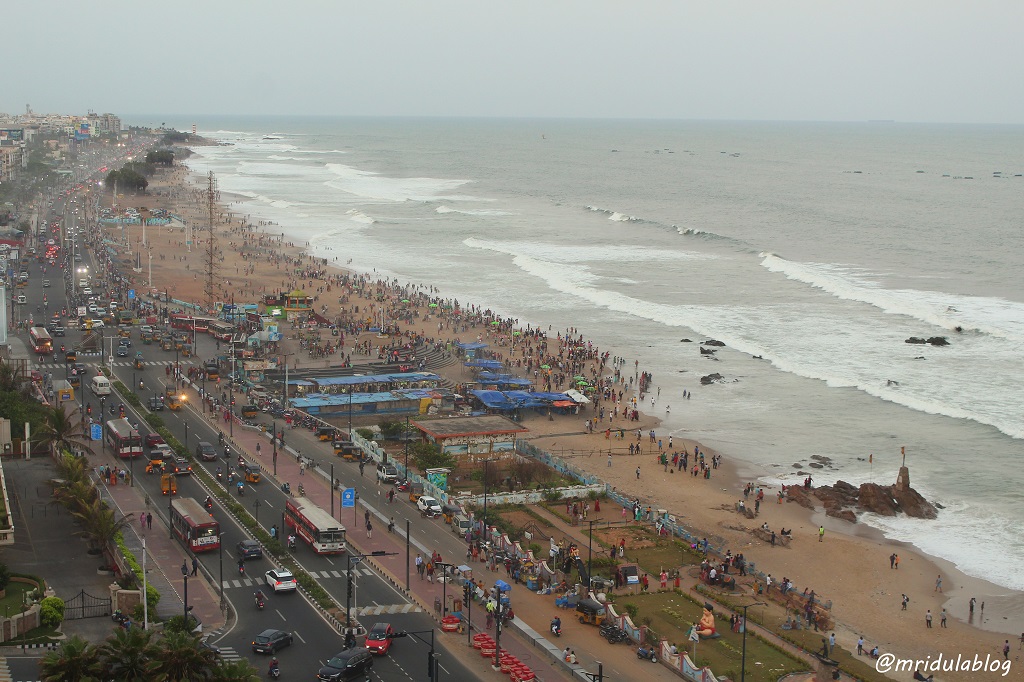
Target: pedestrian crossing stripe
x=249, y=582
x=229, y=654
x=120, y=363
x=5, y=671
x=392, y=609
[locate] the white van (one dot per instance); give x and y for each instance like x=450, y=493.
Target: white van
x=100, y=385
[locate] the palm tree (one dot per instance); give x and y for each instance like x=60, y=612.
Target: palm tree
x=72, y=487
x=126, y=655
x=179, y=658
x=62, y=433
x=100, y=524
x=12, y=381
x=75, y=660
x=235, y=671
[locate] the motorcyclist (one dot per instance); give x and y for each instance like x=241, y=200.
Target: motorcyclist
x=220, y=473
x=209, y=502
x=556, y=625
x=241, y=488
x=241, y=565
x=260, y=597
x=291, y=541
x=273, y=665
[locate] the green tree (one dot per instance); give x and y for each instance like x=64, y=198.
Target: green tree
x=60, y=431
x=235, y=671
x=126, y=655
x=429, y=456
x=51, y=611
x=100, y=524
x=75, y=660
x=179, y=657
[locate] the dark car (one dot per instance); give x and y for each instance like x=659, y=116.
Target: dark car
x=156, y=404
x=181, y=466
x=250, y=549
x=346, y=665
x=206, y=452
x=378, y=640
x=59, y=330
x=269, y=641
x=122, y=351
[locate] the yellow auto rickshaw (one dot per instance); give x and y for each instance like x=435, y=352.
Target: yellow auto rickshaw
x=590, y=611
x=166, y=343
x=168, y=484
x=186, y=350
x=250, y=473
x=326, y=433
x=156, y=464
x=124, y=333
x=138, y=361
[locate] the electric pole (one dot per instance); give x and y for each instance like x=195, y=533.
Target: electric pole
x=212, y=196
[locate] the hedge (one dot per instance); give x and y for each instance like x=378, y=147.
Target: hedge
x=152, y=595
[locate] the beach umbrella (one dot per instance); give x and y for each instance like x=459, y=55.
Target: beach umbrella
x=495, y=323
x=545, y=366
x=579, y=376
x=405, y=300
x=515, y=333
x=582, y=382
x=433, y=305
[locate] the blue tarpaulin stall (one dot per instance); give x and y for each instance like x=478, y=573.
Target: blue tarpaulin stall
x=470, y=345
x=485, y=364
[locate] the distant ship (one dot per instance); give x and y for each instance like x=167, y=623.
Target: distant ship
x=270, y=137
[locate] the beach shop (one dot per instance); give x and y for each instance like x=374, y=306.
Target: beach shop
x=471, y=435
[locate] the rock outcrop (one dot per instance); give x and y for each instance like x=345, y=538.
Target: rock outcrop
x=709, y=379
x=708, y=351
x=844, y=501
x=938, y=341
x=916, y=339
x=712, y=342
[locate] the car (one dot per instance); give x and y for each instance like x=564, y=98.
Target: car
x=281, y=580
x=96, y=324
x=87, y=291
x=346, y=665
x=378, y=639
x=249, y=549
x=156, y=404
x=46, y=282
x=428, y=504
x=269, y=641
x=153, y=439
x=59, y=330
x=181, y=466
x=206, y=452
x=122, y=351
x=125, y=341
x=161, y=451
x=387, y=473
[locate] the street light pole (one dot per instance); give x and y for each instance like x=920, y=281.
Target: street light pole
x=743, y=657
x=184, y=575
x=486, y=462
x=444, y=586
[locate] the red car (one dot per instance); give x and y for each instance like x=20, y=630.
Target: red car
x=378, y=640
x=153, y=439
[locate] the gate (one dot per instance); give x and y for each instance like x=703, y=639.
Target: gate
x=84, y=605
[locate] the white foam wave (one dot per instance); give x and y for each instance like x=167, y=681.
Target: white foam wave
x=258, y=168
x=615, y=215
x=560, y=254
x=995, y=316
x=375, y=186
x=473, y=211
x=358, y=217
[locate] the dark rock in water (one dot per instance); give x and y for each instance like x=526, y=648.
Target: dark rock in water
x=708, y=351
x=822, y=458
x=816, y=465
x=797, y=493
x=709, y=379
x=797, y=465
x=920, y=357
x=938, y=341
x=840, y=500
x=916, y=339
x=844, y=514
x=712, y=342
x=685, y=341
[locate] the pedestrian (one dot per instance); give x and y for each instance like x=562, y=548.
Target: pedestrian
x=195, y=566
x=892, y=561
x=1006, y=649
x=942, y=618
x=860, y=645
x=638, y=473
x=419, y=565
x=831, y=643
x=369, y=529
x=906, y=600
x=142, y=520
x=971, y=604
x=609, y=460
x=938, y=585
x=366, y=517
x=897, y=562
x=928, y=618
x=302, y=468
x=149, y=520
x=821, y=533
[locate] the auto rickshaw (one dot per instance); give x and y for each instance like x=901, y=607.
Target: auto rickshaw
x=448, y=512
x=186, y=350
x=415, y=491
x=179, y=343
x=347, y=450
x=326, y=433
x=156, y=464
x=167, y=343
x=138, y=361
x=169, y=484
x=590, y=611
x=249, y=411
x=124, y=333
x=250, y=473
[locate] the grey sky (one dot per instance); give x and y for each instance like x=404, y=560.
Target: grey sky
x=909, y=60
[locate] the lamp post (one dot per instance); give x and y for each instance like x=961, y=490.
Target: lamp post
x=444, y=586
x=184, y=575
x=467, y=598
x=743, y=656
x=431, y=657
x=273, y=440
x=186, y=433
x=405, y=437
x=220, y=560
x=485, y=462
x=256, y=511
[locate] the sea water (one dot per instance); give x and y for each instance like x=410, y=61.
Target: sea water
x=813, y=251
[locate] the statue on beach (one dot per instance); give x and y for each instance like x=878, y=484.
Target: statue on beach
x=706, y=627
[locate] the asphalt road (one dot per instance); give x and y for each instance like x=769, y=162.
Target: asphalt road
x=314, y=639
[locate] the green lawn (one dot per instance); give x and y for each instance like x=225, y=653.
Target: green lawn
x=671, y=614
x=15, y=597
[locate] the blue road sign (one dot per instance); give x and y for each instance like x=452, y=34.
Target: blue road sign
x=96, y=432
x=348, y=497
x=131, y=294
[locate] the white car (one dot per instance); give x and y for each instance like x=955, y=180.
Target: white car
x=428, y=505
x=97, y=324
x=281, y=580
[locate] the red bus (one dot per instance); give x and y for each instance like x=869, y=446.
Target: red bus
x=123, y=439
x=194, y=526
x=320, y=530
x=42, y=343
x=190, y=322
x=221, y=331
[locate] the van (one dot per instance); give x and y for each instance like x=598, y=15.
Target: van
x=386, y=473
x=100, y=385
x=461, y=525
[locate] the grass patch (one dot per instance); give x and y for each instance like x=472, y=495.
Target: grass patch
x=671, y=614
x=39, y=635
x=14, y=600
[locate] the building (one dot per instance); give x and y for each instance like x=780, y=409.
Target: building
x=471, y=435
x=12, y=160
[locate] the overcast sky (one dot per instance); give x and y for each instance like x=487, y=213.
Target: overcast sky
x=908, y=60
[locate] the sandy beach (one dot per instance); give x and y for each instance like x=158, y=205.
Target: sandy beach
x=850, y=566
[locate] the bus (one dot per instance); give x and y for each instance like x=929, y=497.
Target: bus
x=322, y=531
x=190, y=322
x=42, y=342
x=123, y=439
x=221, y=331
x=194, y=526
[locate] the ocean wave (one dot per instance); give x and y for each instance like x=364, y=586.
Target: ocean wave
x=995, y=316
x=359, y=217
x=264, y=169
x=372, y=185
x=473, y=211
x=615, y=215
x=560, y=254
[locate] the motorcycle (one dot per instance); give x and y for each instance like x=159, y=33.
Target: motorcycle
x=649, y=654
x=208, y=504
x=260, y=604
x=286, y=488
x=118, y=617
x=291, y=542
x=274, y=671
x=556, y=629
x=241, y=568
x=241, y=489
x=302, y=491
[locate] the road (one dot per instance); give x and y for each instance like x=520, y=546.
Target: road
x=315, y=639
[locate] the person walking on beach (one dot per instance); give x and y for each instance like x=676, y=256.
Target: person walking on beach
x=821, y=533
x=860, y=645
x=942, y=618
x=928, y=618
x=638, y=473
x=892, y=561
x=938, y=585
x=906, y=600
x=831, y=643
